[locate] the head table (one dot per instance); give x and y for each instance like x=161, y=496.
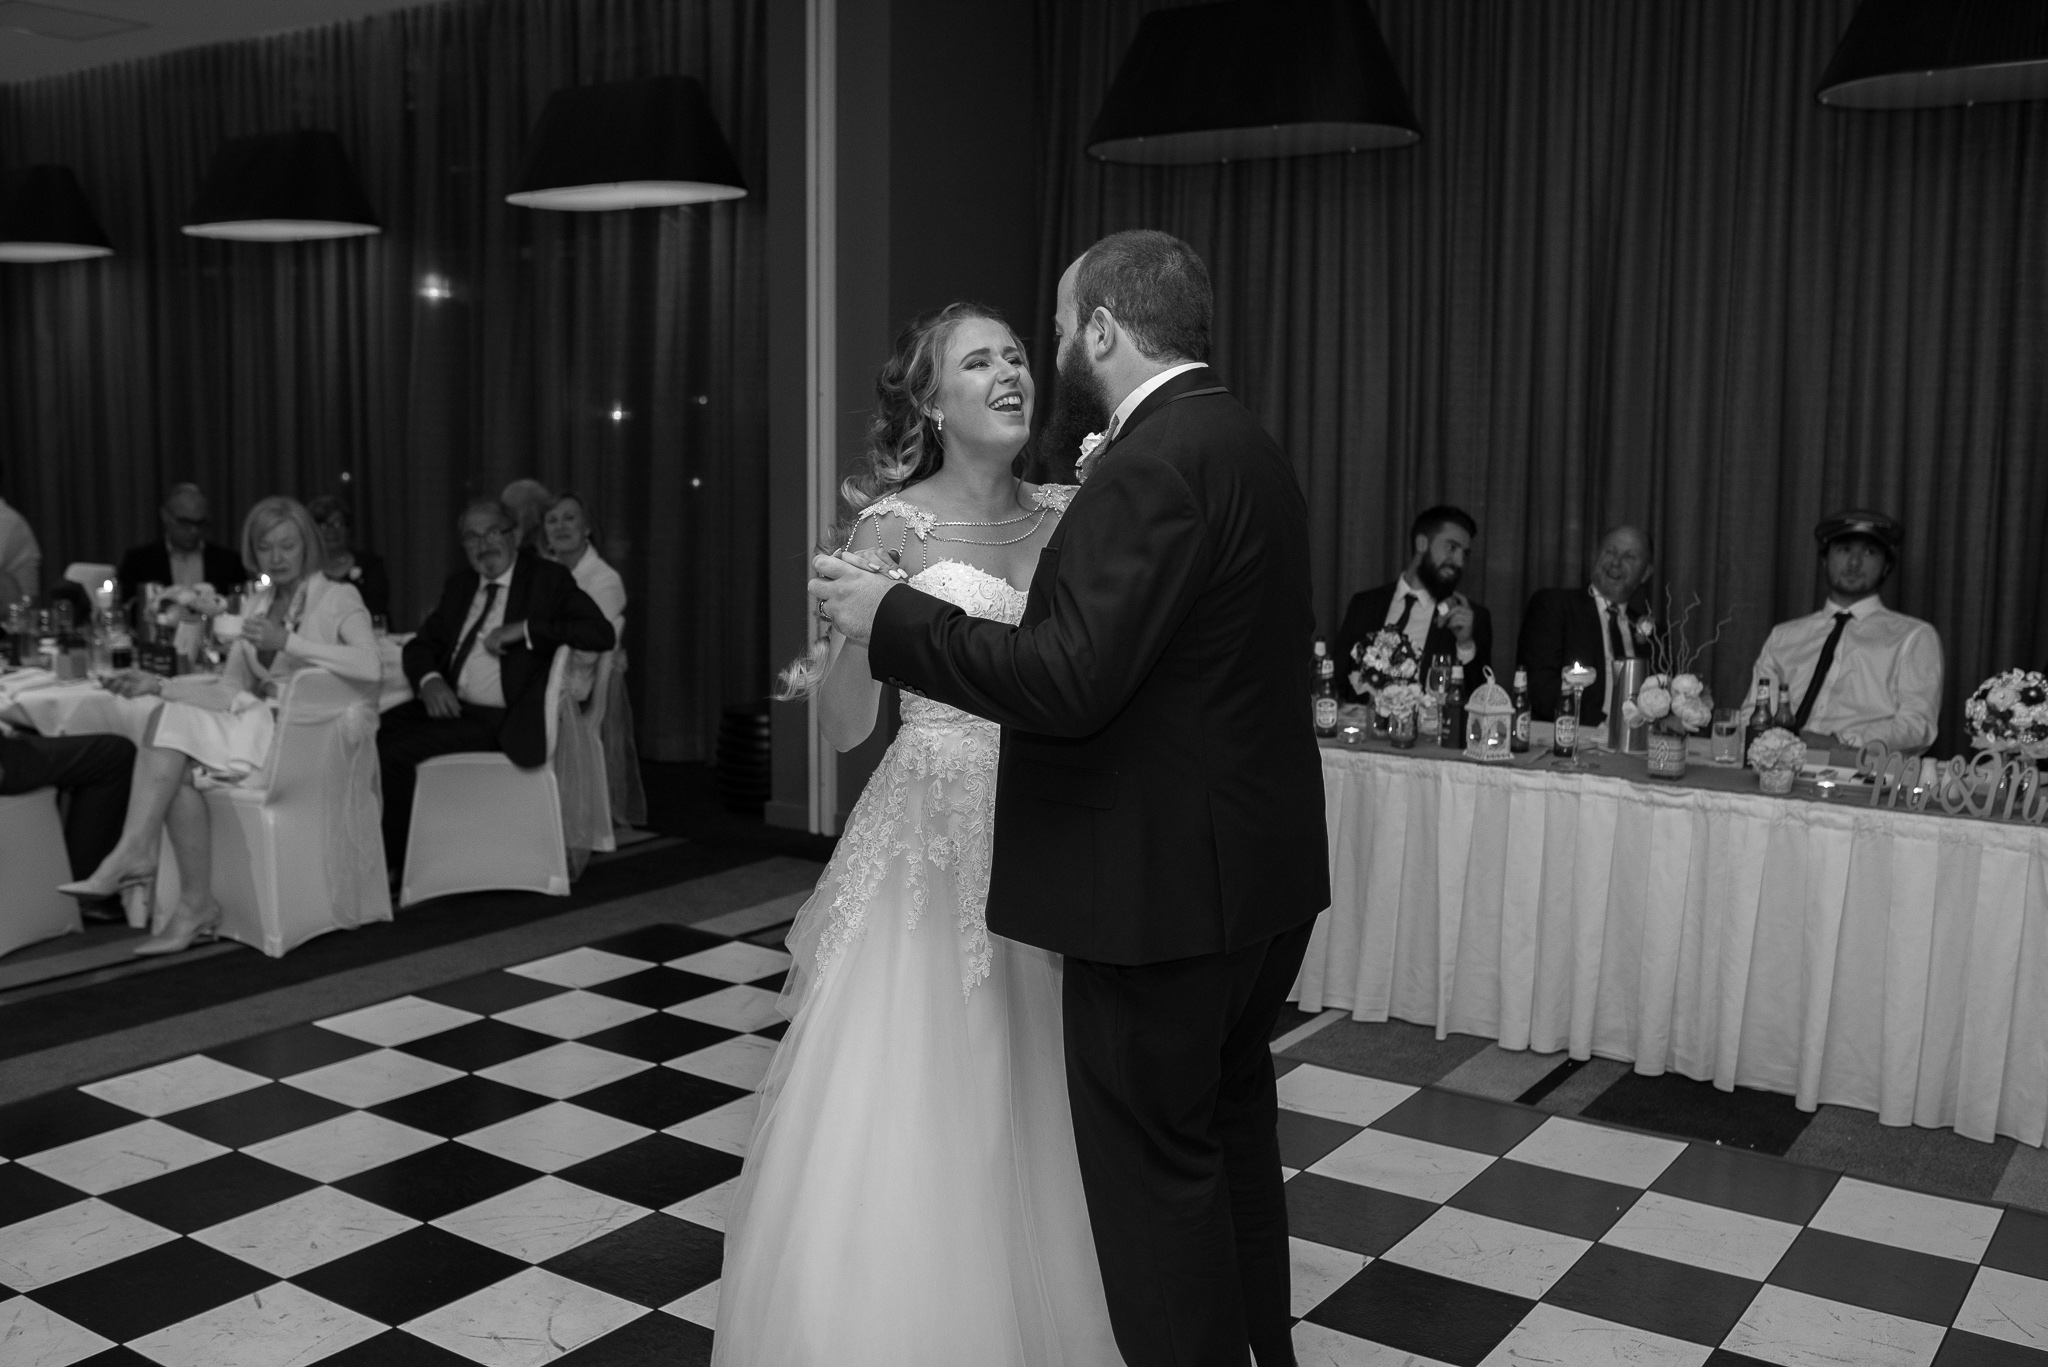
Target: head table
x=1894, y=961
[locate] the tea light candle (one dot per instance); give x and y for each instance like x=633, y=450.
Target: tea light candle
x=1351, y=735
x=103, y=597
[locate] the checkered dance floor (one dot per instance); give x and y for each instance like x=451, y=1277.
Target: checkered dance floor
x=529, y=1167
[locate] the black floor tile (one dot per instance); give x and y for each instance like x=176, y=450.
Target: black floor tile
x=431, y=1183
x=116, y=1357
x=772, y=983
x=1460, y=1121
x=1765, y=1122
x=651, y=1262
x=1348, y=1216
x=658, y=1038
x=256, y=1115
x=658, y=1097
x=1960, y=1349
x=659, y=944
x=770, y=937
x=479, y=1045
x=1419, y=1312
x=44, y=1122
x=1664, y=1297
x=1306, y=1139
x=489, y=993
x=159, y=1286
x=2020, y=1245
x=26, y=1193
x=1753, y=1183
x=205, y=1194
x=396, y=1348
x=653, y=1340
x=659, y=987
x=1722, y=1357
x=409, y=1274
x=459, y=1106
x=656, y=1171
x=1894, y=1281
x=295, y=1049
x=774, y=1032
x=1561, y=1202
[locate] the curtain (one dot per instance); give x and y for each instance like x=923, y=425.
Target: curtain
x=1633, y=272
x=327, y=368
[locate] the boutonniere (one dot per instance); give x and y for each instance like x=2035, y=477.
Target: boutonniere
x=355, y=572
x=1090, y=444
x=1644, y=627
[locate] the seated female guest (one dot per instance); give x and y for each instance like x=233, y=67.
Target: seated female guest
x=223, y=726
x=345, y=562
x=566, y=528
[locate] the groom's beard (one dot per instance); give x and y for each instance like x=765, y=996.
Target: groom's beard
x=1080, y=406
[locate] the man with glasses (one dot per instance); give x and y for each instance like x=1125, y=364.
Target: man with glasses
x=479, y=664
x=184, y=556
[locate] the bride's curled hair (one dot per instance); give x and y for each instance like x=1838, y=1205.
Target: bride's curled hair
x=903, y=447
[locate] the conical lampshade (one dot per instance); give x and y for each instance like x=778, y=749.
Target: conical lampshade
x=1919, y=54
x=44, y=216
x=628, y=145
x=281, y=187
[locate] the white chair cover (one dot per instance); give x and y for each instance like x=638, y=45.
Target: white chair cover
x=621, y=756
x=32, y=853
x=580, y=762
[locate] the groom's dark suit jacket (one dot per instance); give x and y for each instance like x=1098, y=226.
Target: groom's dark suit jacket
x=1160, y=794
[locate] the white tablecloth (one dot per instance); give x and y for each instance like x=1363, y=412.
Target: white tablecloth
x=1891, y=961
x=78, y=707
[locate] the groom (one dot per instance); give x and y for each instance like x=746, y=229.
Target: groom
x=1159, y=812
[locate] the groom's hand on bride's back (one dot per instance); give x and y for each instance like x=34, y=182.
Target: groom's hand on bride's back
x=849, y=591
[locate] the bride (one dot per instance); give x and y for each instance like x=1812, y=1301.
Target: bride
x=911, y=1194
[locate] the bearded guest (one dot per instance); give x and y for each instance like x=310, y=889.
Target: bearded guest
x=1424, y=604
x=1596, y=625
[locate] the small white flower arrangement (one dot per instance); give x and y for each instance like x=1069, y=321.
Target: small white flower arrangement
x=2009, y=711
x=194, y=600
x=1674, y=699
x=1777, y=751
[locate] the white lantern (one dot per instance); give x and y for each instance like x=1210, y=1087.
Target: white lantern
x=1489, y=723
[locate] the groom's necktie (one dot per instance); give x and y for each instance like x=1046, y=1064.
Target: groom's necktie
x=469, y=637
x=1820, y=671
x=1407, y=611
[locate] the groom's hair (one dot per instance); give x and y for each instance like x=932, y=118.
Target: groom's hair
x=1155, y=287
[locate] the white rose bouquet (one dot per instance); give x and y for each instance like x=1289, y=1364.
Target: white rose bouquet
x=192, y=600
x=1386, y=668
x=2009, y=711
x=1674, y=699
x=1776, y=751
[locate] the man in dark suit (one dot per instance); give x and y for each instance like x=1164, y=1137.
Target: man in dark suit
x=92, y=774
x=1595, y=626
x=184, y=556
x=479, y=665
x=1159, y=806
x=1423, y=604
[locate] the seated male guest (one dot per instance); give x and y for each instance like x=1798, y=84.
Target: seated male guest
x=346, y=562
x=93, y=772
x=184, y=555
x=1593, y=626
x=1856, y=671
x=1424, y=604
x=479, y=664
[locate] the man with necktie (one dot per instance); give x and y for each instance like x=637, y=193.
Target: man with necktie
x=1593, y=626
x=1856, y=671
x=1424, y=604
x=479, y=665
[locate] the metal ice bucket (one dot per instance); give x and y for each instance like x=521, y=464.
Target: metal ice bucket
x=1627, y=676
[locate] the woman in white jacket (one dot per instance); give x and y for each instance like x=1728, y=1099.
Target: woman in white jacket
x=222, y=725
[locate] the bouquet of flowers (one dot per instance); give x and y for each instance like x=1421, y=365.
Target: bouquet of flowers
x=193, y=600
x=1385, y=666
x=2009, y=711
x=1673, y=699
x=1776, y=751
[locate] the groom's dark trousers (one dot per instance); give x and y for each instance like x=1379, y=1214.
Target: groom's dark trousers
x=1159, y=821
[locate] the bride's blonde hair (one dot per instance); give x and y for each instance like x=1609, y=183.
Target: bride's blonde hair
x=903, y=447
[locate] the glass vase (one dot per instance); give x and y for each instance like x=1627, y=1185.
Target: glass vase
x=1382, y=725
x=1775, y=781
x=1665, y=754
x=1402, y=733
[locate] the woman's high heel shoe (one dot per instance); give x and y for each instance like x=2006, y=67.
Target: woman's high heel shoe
x=184, y=930
x=95, y=889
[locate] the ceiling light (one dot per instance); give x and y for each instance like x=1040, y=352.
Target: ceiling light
x=627, y=145
x=1919, y=54
x=44, y=216
x=281, y=187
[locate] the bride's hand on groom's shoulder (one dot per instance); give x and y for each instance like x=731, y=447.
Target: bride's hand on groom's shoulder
x=849, y=588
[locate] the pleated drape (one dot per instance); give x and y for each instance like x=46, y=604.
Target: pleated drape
x=323, y=367
x=1632, y=272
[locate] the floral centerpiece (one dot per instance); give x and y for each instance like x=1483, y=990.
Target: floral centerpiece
x=1673, y=700
x=1386, y=668
x=2009, y=712
x=1776, y=756
x=193, y=600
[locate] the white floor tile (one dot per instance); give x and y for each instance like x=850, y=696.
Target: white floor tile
x=1908, y=1219
x=123, y=1157
x=279, y=1324
x=584, y=967
x=190, y=1081
x=573, y=1014
x=2006, y=1305
x=528, y=1319
x=1794, y=1329
x=741, y=1061
x=735, y=962
x=72, y=1239
x=1551, y=1335
x=731, y=1008
x=31, y=1336
x=554, y=1137
x=1316, y=1270
x=1347, y=1097
x=1394, y=1162
x=699, y=1307
x=1499, y=1254
x=398, y=1021
x=565, y=1069
x=1316, y=1346
x=1702, y=1236
x=727, y=1128
x=1634, y=1160
x=304, y=1231
x=541, y=1219
x=707, y=1207
x=344, y=1146
x=374, y=1078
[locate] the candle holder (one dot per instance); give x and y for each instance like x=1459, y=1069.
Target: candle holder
x=1577, y=679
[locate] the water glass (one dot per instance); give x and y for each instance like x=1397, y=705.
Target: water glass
x=1727, y=738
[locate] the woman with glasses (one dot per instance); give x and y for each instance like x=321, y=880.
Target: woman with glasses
x=346, y=562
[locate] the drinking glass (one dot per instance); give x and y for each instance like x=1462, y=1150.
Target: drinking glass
x=1727, y=738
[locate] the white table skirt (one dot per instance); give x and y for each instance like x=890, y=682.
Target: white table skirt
x=1890, y=961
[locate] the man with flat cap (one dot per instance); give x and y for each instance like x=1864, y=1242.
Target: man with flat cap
x=1856, y=671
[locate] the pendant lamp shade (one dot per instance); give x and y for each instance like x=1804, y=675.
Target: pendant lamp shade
x=1918, y=54
x=1254, y=78
x=44, y=216
x=628, y=145
x=281, y=187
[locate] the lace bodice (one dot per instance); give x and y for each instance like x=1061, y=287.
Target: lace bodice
x=977, y=593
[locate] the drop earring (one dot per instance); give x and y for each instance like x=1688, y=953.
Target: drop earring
x=939, y=421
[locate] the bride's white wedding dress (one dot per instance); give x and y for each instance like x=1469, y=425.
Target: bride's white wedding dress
x=911, y=1194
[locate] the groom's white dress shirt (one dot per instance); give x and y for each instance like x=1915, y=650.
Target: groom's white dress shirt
x=1143, y=391
x=1884, y=684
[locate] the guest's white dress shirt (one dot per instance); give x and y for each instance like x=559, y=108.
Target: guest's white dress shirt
x=188, y=567
x=20, y=556
x=482, y=682
x=1417, y=630
x=1884, y=684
